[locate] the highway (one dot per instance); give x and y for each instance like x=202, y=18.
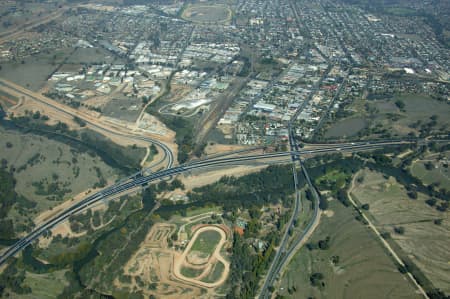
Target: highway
x=286, y=254
x=168, y=155
x=137, y=181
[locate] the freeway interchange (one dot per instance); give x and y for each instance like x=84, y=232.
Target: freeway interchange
x=138, y=180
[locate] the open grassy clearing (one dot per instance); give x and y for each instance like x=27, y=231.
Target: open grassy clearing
x=48, y=171
x=33, y=72
x=417, y=108
x=123, y=108
x=439, y=172
x=92, y=55
x=202, y=210
x=363, y=269
x=191, y=272
x=43, y=286
x=423, y=241
x=346, y=127
x=206, y=242
x=370, y=118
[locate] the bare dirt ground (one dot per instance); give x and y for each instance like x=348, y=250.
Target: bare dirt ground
x=221, y=148
x=102, y=100
x=178, y=92
x=156, y=264
x=191, y=181
x=153, y=263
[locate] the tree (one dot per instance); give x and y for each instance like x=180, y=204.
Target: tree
x=437, y=221
x=316, y=279
x=324, y=244
x=335, y=259
x=323, y=203
x=176, y=183
x=431, y=202
x=365, y=206
x=443, y=207
x=400, y=104
x=162, y=186
x=37, y=115
x=399, y=230
x=412, y=194
x=153, y=149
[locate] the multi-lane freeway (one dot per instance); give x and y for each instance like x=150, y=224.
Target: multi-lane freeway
x=284, y=253
x=132, y=183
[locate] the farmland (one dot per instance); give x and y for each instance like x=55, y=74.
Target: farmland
x=433, y=169
x=354, y=266
x=33, y=72
x=411, y=224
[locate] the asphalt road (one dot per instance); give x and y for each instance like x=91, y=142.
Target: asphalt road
x=137, y=181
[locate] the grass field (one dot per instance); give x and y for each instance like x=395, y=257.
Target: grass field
x=424, y=242
x=370, y=118
x=206, y=242
x=346, y=127
x=55, y=167
x=364, y=269
x=92, y=56
x=203, y=13
x=43, y=286
x=438, y=174
x=191, y=272
x=34, y=71
x=417, y=108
